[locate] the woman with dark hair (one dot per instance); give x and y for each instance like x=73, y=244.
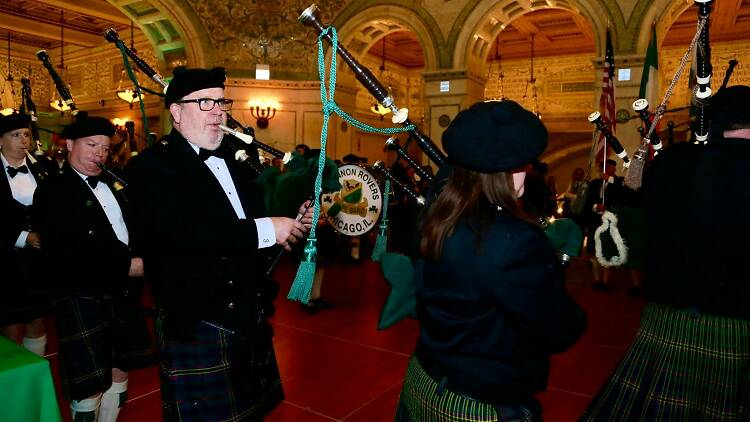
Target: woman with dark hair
x=491, y=299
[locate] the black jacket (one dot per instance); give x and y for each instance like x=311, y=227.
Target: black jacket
x=489, y=319
x=21, y=283
x=201, y=258
x=14, y=216
x=699, y=253
x=80, y=248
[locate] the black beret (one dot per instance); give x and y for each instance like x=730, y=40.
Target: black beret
x=494, y=136
x=89, y=126
x=14, y=121
x=730, y=106
x=186, y=81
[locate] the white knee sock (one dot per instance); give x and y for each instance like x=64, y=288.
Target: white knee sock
x=35, y=345
x=111, y=402
x=86, y=406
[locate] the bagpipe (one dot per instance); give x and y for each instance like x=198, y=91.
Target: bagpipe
x=650, y=139
x=368, y=80
x=62, y=88
x=28, y=107
x=309, y=17
x=67, y=98
x=242, y=143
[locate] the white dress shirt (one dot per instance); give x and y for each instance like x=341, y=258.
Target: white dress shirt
x=22, y=186
x=111, y=207
x=266, y=232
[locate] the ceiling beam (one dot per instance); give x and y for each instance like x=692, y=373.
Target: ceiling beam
x=123, y=3
x=49, y=31
x=97, y=9
x=584, y=26
x=526, y=27
x=150, y=17
x=724, y=17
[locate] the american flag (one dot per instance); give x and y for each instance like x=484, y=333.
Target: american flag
x=607, y=100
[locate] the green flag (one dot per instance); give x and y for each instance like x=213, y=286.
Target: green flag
x=650, y=76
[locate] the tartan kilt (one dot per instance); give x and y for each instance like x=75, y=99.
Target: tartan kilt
x=96, y=335
x=424, y=399
x=681, y=366
x=217, y=376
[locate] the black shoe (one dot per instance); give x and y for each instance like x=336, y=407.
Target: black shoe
x=635, y=291
x=601, y=286
x=321, y=304
x=310, y=307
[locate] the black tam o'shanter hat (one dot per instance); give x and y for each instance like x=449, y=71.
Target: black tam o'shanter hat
x=186, y=81
x=494, y=136
x=14, y=121
x=89, y=126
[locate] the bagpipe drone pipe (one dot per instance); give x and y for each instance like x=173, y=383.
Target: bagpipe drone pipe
x=28, y=107
x=373, y=86
x=67, y=98
x=701, y=47
x=241, y=143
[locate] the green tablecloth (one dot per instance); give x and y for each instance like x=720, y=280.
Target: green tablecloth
x=27, y=392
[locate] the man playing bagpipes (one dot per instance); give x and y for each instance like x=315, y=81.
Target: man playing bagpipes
x=203, y=221
x=89, y=244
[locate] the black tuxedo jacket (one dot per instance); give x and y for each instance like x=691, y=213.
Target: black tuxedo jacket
x=15, y=218
x=202, y=259
x=79, y=245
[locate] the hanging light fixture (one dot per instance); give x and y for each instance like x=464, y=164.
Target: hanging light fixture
x=8, y=110
x=532, y=81
x=500, y=76
x=377, y=108
x=56, y=102
x=129, y=95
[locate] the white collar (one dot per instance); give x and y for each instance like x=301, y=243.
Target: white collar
x=6, y=163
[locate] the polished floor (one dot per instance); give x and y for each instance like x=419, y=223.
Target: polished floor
x=336, y=366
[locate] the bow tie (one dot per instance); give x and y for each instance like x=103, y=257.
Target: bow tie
x=205, y=154
x=12, y=171
x=92, y=181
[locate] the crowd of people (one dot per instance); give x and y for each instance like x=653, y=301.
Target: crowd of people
x=491, y=297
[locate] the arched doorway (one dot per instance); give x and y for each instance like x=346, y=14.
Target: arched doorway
x=544, y=60
x=397, y=60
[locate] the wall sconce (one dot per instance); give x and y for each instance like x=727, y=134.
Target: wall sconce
x=263, y=111
x=118, y=122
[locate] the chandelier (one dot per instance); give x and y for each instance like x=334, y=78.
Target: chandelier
x=378, y=108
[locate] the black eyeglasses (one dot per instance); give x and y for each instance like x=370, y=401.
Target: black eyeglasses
x=208, y=104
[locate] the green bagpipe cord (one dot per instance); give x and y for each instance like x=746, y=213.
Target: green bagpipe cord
x=381, y=243
x=302, y=284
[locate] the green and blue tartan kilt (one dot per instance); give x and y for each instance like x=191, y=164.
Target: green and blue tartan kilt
x=217, y=376
x=424, y=399
x=682, y=366
x=95, y=336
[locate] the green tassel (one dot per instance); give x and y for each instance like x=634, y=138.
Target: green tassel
x=303, y=281
x=381, y=242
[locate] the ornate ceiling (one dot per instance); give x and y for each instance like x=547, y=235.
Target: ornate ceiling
x=730, y=21
x=240, y=34
x=37, y=23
